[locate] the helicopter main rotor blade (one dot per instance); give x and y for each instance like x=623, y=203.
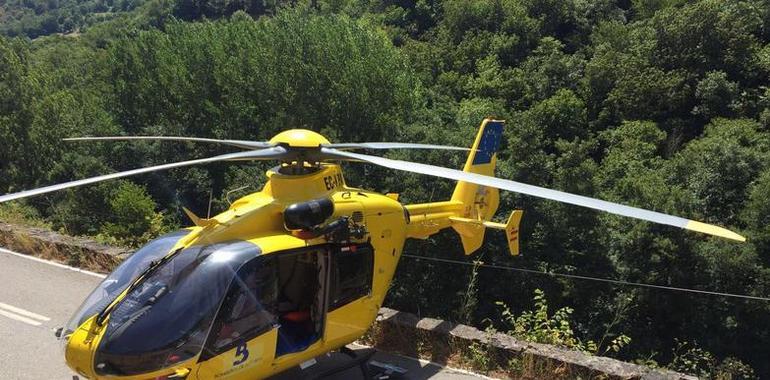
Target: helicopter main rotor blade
x=237, y=143
x=264, y=144
x=391, y=145
x=541, y=192
x=264, y=154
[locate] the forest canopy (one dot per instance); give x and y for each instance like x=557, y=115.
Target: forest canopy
x=658, y=104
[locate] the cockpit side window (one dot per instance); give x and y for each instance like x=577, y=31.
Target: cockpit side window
x=248, y=310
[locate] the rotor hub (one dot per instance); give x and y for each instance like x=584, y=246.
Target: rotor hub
x=299, y=138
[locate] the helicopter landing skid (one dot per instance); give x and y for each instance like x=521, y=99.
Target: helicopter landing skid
x=386, y=370
x=370, y=369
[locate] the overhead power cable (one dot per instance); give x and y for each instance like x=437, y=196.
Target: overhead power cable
x=587, y=278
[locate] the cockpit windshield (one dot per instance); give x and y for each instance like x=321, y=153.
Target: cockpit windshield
x=166, y=317
x=122, y=277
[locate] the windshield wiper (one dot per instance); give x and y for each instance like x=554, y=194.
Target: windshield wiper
x=139, y=280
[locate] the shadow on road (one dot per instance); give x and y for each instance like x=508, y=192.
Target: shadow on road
x=415, y=369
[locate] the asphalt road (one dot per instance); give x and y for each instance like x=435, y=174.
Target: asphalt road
x=36, y=297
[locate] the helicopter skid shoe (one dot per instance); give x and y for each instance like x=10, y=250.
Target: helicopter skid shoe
x=386, y=370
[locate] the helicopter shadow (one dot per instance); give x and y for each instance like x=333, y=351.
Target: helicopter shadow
x=380, y=364
x=405, y=333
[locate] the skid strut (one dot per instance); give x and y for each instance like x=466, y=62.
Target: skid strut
x=370, y=369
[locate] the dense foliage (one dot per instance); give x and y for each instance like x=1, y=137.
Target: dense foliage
x=33, y=18
x=658, y=104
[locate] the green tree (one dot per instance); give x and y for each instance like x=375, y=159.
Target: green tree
x=132, y=217
x=717, y=95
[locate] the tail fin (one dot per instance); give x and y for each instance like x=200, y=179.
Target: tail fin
x=479, y=202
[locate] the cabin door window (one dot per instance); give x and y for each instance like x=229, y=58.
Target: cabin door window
x=351, y=274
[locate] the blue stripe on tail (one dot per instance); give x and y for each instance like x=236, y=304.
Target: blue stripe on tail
x=490, y=141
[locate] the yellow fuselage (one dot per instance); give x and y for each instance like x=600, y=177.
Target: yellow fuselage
x=257, y=218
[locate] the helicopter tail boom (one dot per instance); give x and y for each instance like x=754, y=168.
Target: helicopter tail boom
x=472, y=206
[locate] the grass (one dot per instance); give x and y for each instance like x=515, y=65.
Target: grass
x=21, y=214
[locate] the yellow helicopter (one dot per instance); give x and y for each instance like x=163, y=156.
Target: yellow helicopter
x=289, y=273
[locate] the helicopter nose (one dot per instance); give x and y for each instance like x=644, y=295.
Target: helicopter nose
x=78, y=351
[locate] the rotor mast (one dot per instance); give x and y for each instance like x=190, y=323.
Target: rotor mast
x=306, y=145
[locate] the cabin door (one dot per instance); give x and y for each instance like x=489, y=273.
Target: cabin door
x=302, y=292
x=241, y=343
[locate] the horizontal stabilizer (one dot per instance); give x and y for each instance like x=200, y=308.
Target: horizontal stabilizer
x=511, y=229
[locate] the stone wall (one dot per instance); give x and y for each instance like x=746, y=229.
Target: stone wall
x=74, y=251
x=449, y=343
